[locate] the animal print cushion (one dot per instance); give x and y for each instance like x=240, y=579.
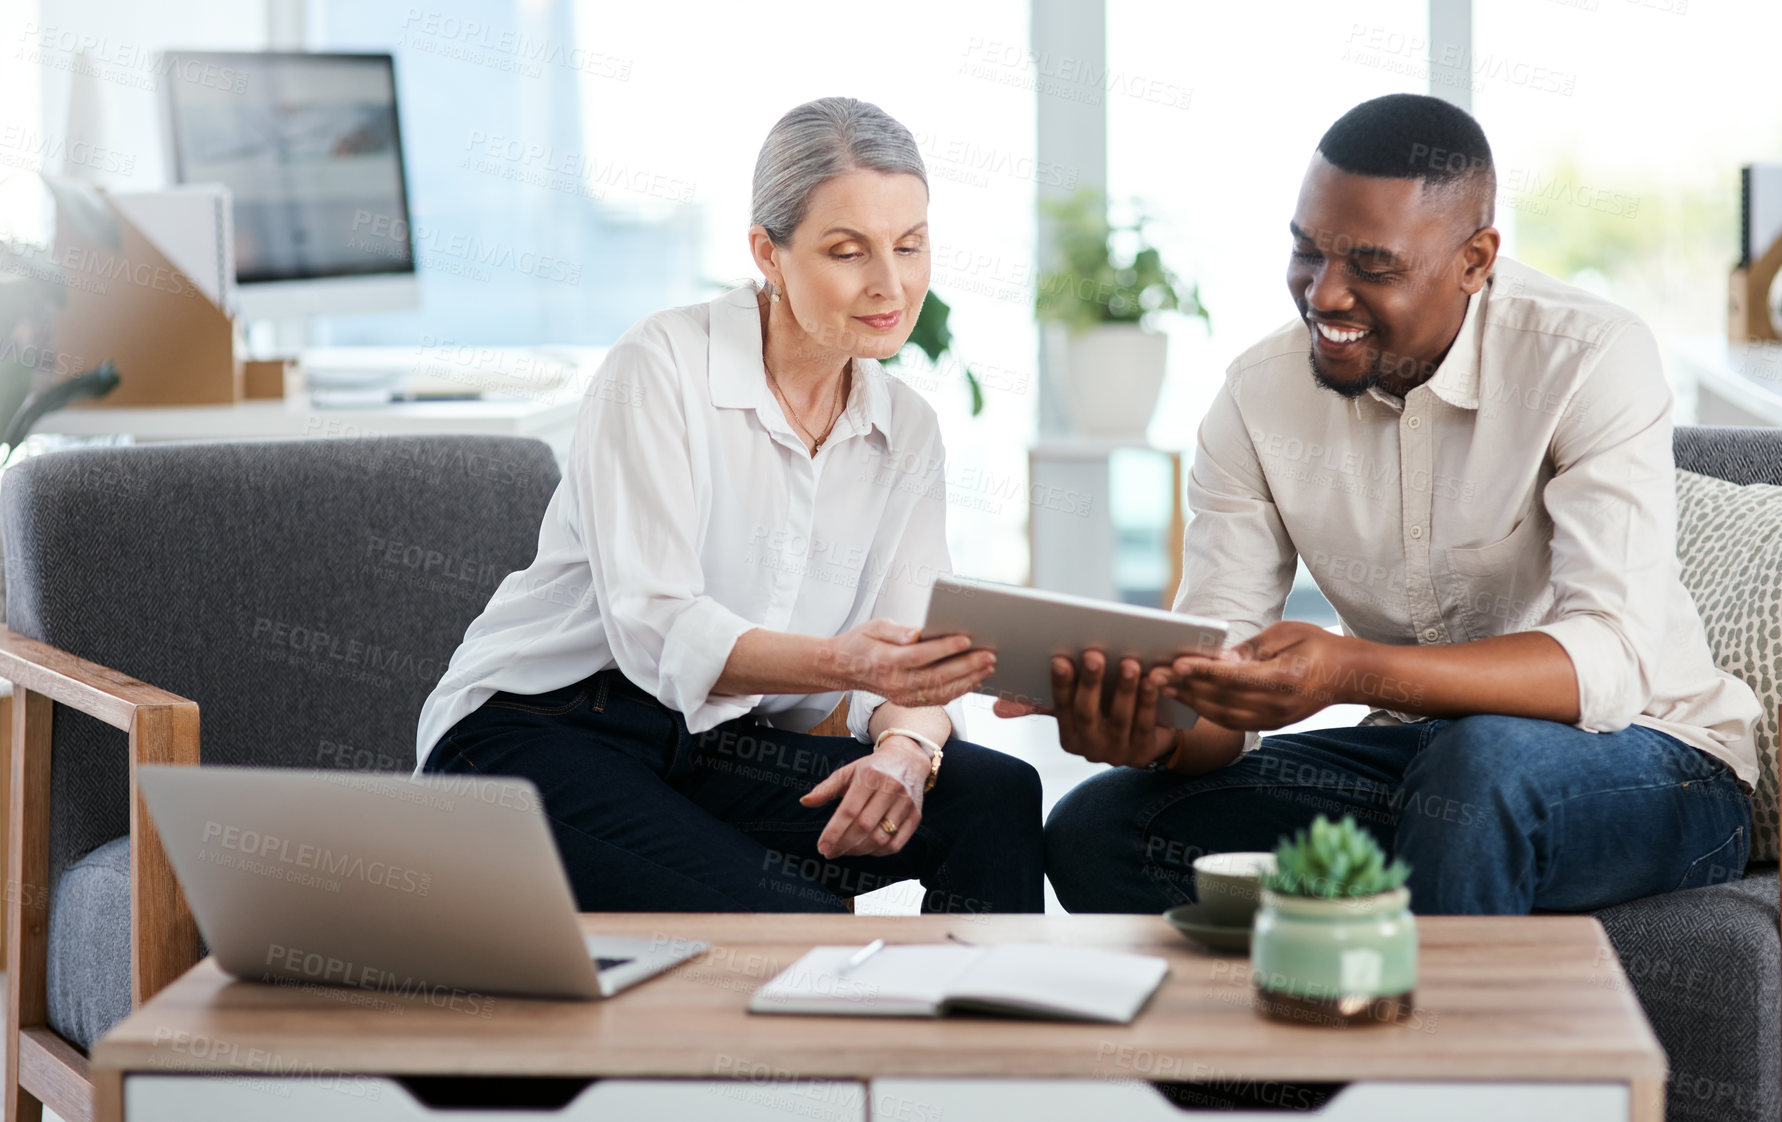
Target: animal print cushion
x=1729, y=541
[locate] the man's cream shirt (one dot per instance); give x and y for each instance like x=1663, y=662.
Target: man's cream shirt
x=1528, y=486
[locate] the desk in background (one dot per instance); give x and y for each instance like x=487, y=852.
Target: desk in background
x=547, y=414
x=1734, y=384
x=552, y=421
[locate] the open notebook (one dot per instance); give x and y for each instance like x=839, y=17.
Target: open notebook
x=930, y=980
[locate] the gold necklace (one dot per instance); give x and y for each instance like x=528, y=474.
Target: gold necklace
x=834, y=414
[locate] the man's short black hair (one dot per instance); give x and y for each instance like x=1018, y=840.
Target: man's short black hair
x=1414, y=136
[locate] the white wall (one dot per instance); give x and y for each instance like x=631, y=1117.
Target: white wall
x=94, y=69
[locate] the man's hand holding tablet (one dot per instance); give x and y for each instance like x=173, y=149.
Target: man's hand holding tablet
x=1109, y=667
x=1282, y=675
x=1125, y=732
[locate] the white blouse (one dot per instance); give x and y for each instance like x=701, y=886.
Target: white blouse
x=690, y=513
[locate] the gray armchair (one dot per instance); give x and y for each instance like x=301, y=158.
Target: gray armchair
x=1705, y=963
x=304, y=595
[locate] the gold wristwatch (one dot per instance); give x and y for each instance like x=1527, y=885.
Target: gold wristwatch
x=928, y=745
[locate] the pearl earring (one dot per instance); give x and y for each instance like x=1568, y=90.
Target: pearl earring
x=773, y=293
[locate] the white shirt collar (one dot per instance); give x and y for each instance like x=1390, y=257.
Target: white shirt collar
x=1456, y=380
x=739, y=378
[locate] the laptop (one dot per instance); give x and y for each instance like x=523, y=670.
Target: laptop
x=449, y=887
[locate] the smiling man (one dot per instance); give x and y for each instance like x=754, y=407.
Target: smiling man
x=1474, y=462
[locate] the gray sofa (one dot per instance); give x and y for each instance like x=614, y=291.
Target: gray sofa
x=210, y=570
x=1705, y=963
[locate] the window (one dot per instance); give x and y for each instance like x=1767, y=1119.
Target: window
x=1222, y=172
x=1625, y=179
x=621, y=141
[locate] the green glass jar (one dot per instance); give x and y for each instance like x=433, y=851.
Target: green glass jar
x=1334, y=962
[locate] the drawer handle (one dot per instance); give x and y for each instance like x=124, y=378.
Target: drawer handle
x=494, y=1092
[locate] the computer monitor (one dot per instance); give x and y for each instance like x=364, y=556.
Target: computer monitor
x=311, y=149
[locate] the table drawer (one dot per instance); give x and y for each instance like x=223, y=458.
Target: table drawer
x=1072, y=1100
x=342, y=1098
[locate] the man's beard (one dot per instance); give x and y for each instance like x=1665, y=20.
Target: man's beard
x=1375, y=375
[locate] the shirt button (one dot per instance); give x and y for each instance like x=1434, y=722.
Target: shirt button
x=1416, y=532
x=1414, y=421
x=1431, y=635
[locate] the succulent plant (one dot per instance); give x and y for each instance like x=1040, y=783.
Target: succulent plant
x=1333, y=861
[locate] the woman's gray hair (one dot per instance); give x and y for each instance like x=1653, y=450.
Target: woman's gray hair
x=818, y=141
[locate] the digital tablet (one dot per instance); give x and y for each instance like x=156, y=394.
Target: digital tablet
x=1026, y=627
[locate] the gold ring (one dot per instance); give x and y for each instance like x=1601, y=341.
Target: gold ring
x=921, y=697
x=888, y=826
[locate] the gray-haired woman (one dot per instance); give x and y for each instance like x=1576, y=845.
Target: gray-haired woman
x=751, y=517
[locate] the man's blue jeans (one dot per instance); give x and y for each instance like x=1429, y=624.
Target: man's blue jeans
x=1495, y=815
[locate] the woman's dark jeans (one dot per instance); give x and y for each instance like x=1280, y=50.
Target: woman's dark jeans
x=650, y=817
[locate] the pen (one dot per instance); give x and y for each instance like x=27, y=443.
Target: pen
x=861, y=956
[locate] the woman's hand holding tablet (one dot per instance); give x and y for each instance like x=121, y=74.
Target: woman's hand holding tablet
x=1028, y=627
x=894, y=662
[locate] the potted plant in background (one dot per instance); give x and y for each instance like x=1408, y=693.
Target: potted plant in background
x=1334, y=941
x=1102, y=300
x=934, y=338
x=35, y=376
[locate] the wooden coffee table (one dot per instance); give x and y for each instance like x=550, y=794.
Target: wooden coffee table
x=1528, y=1018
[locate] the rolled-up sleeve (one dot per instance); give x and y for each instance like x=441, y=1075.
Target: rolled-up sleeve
x=1237, y=558
x=638, y=511
x=920, y=556
x=1613, y=503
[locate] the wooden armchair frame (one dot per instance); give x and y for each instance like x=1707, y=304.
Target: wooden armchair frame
x=42, y=1068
